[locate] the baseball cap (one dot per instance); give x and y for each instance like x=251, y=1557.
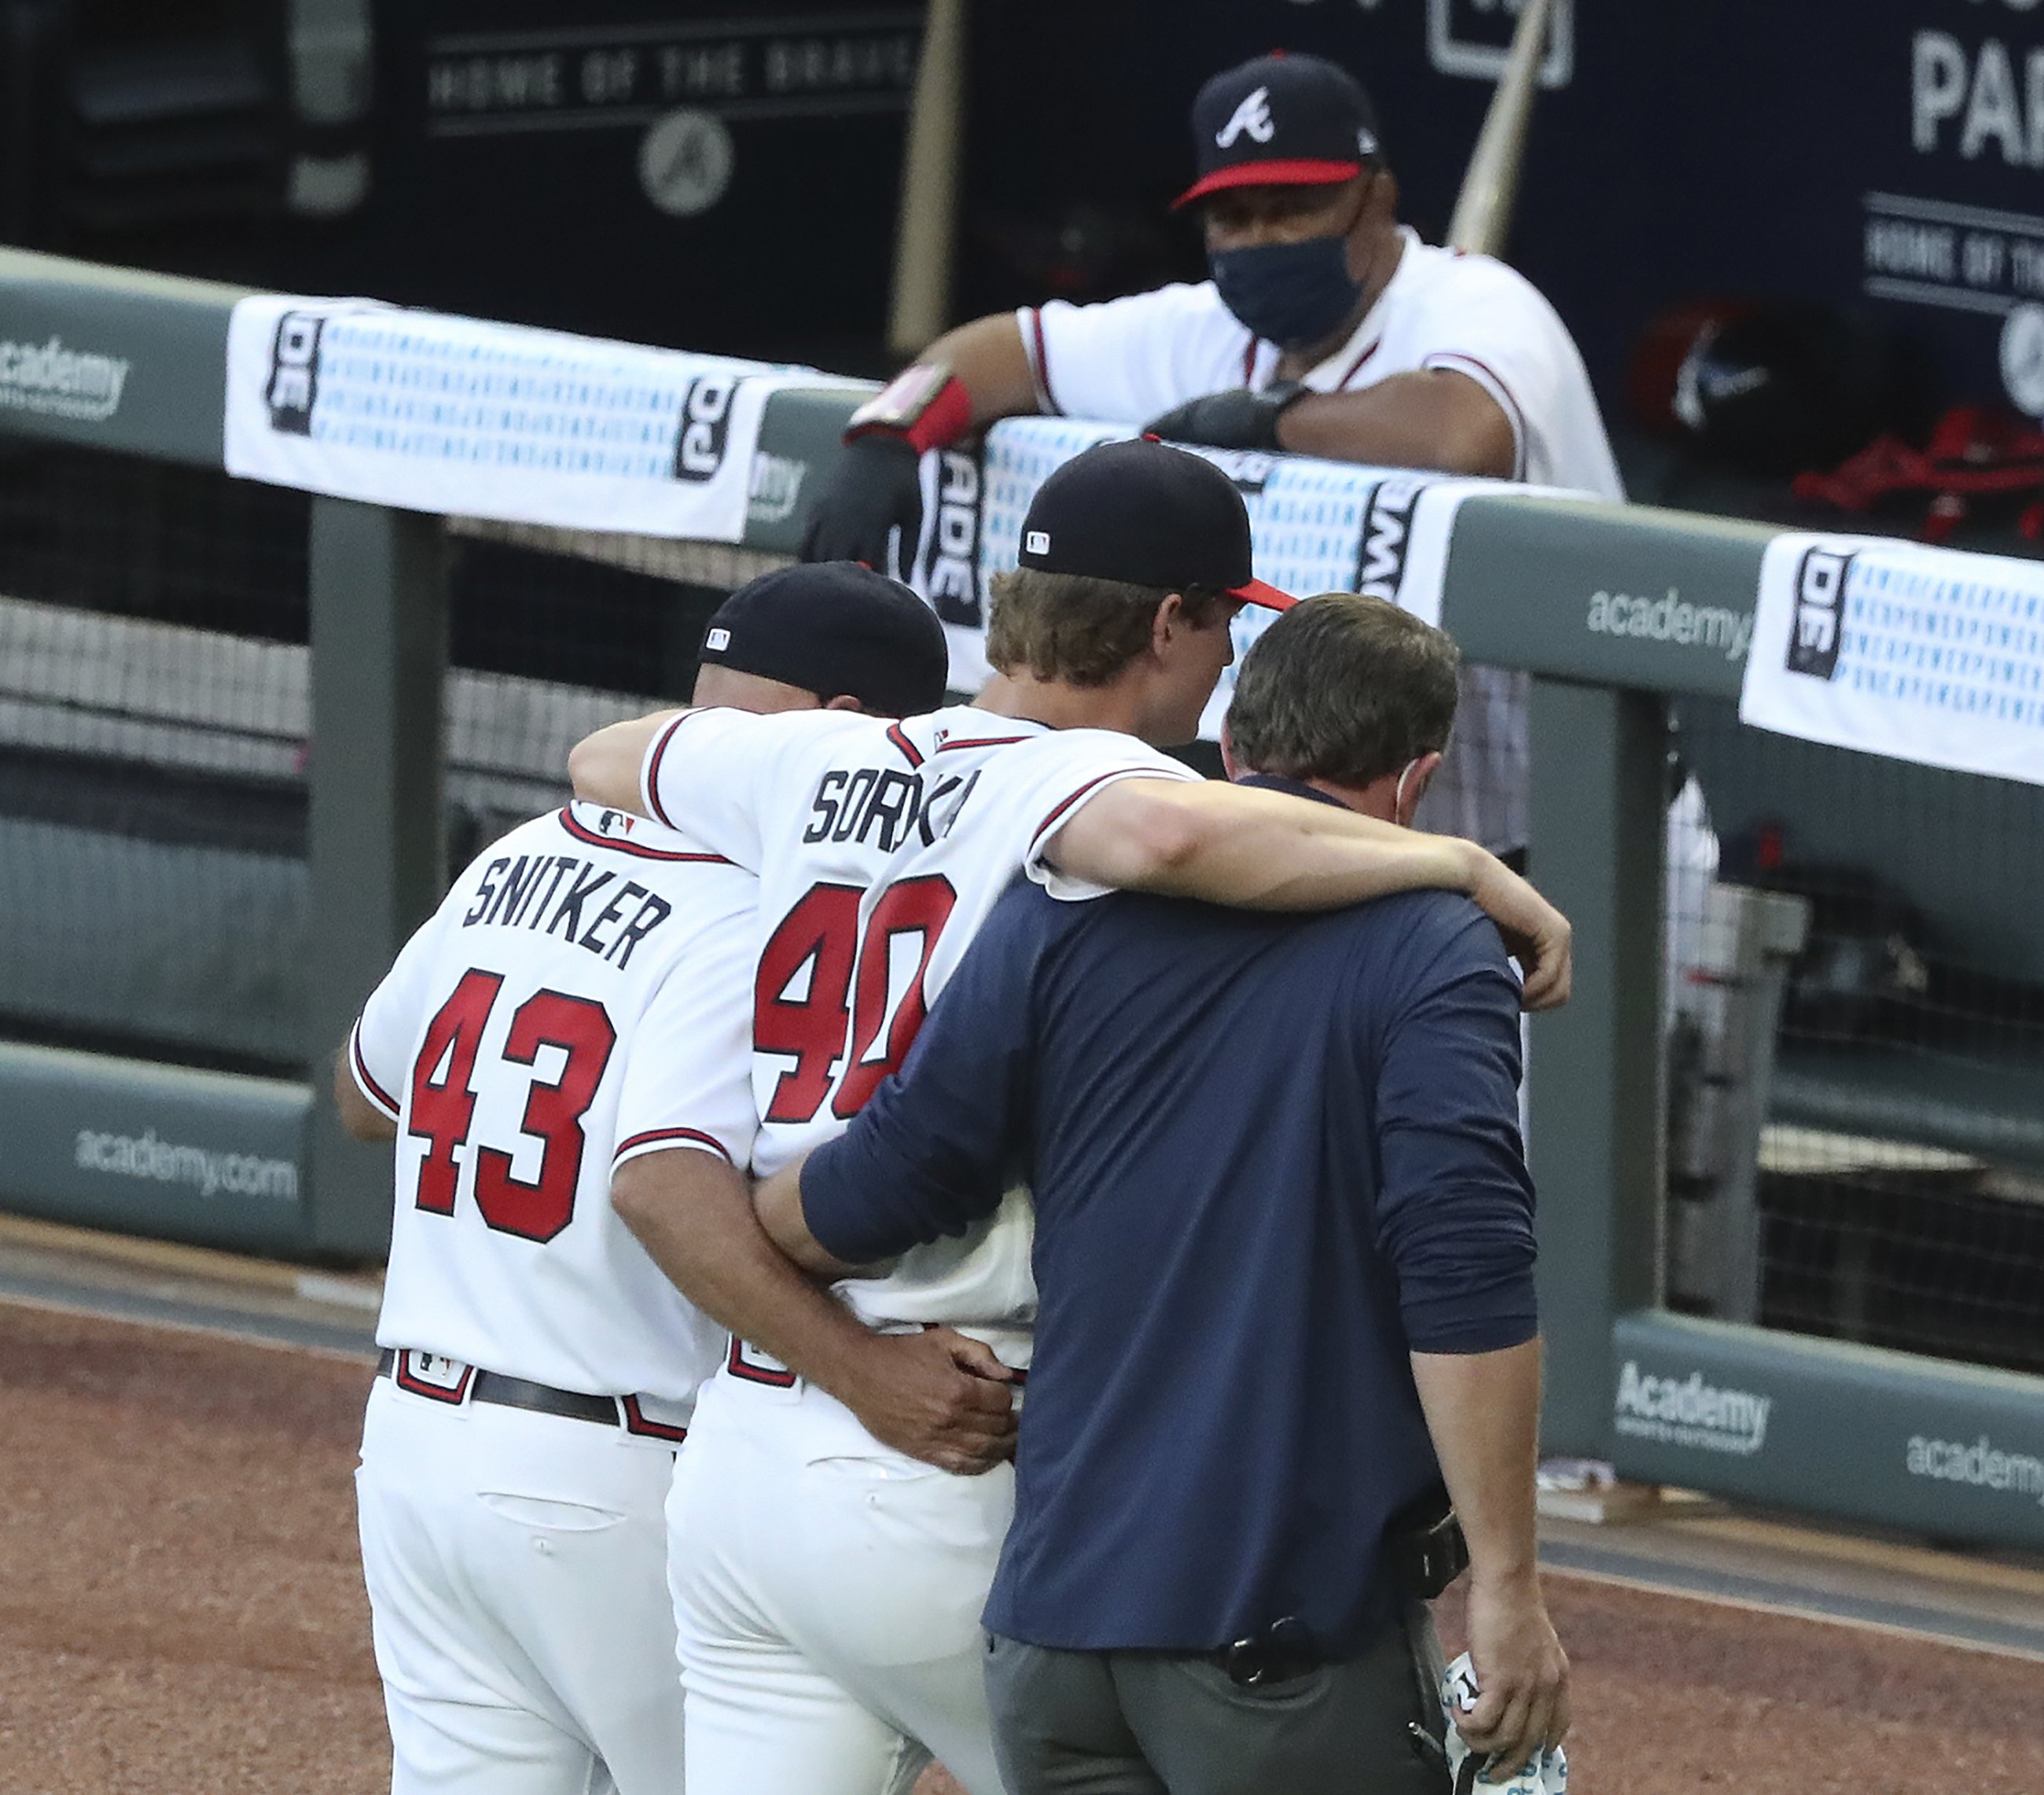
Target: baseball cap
x=1151, y=515
x=835, y=629
x=1281, y=121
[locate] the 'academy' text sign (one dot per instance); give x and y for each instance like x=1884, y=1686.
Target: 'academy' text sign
x=1894, y=648
x=469, y=418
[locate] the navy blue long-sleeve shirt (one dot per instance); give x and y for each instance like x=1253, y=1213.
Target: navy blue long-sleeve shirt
x=1270, y=1155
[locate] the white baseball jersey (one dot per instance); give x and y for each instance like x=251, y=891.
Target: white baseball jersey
x=880, y=849
x=584, y=973
x=1130, y=360
x=1133, y=359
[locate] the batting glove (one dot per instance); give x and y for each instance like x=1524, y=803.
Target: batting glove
x=874, y=490
x=1238, y=420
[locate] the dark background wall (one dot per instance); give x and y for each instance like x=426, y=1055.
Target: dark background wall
x=501, y=155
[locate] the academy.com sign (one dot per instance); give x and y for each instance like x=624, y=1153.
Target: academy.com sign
x=1688, y=1412
x=1672, y=618
x=60, y=382
x=1979, y=1463
x=163, y=1162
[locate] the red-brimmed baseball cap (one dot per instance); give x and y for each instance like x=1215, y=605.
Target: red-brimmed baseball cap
x=1149, y=514
x=1281, y=121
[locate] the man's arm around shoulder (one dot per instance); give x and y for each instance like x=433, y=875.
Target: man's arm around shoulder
x=1266, y=850
x=605, y=766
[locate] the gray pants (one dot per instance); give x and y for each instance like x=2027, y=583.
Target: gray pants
x=1149, y=1723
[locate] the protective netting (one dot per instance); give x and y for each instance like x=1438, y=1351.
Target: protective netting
x=1857, y=1050
x=154, y=718
x=1856, y=1002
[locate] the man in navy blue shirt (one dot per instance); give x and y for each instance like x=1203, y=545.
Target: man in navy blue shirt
x=1284, y=1253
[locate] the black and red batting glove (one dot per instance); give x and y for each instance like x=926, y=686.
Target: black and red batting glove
x=875, y=490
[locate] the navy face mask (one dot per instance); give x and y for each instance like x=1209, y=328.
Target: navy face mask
x=1290, y=293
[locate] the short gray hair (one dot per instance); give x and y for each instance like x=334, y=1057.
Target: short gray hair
x=1343, y=688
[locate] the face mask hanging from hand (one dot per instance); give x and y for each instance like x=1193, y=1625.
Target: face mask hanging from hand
x=1293, y=294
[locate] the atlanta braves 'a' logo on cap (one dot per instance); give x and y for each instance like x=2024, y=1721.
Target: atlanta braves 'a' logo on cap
x=1252, y=116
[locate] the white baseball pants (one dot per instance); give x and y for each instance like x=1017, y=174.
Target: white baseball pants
x=828, y=1594
x=516, y=1570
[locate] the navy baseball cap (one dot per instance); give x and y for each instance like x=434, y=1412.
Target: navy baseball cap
x=1149, y=514
x=1281, y=121
x=838, y=629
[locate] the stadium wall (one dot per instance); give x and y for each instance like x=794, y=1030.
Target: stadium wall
x=1614, y=610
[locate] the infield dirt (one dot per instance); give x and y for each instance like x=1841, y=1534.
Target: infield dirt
x=181, y=1611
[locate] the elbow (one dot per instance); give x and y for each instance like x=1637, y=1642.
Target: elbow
x=636, y=1195
x=1481, y=444
x=590, y=767
x=1163, y=837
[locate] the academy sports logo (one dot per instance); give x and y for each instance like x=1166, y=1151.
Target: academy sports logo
x=1671, y=619
x=1820, y=613
x=1979, y=1463
x=293, y=383
x=1690, y=1413
x=1252, y=116
x=704, y=425
x=55, y=382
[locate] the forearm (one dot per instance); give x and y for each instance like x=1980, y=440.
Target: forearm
x=1431, y=418
x=777, y=1202
x=987, y=355
x=1483, y=1411
x=605, y=766
x=711, y=1247
x=1256, y=850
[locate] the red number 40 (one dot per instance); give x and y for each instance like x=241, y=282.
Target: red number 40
x=849, y=983
x=443, y=1103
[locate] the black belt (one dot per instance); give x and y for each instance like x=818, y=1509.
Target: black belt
x=1284, y=1650
x=476, y=1386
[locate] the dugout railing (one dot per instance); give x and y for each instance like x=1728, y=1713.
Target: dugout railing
x=1836, y=1424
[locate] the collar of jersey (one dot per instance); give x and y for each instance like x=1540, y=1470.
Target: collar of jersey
x=980, y=726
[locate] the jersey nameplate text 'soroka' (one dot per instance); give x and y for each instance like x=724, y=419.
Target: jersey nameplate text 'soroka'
x=880, y=807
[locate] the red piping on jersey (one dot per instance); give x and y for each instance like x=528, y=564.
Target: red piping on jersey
x=652, y=1136
x=983, y=741
x=1043, y=363
x=1517, y=418
x=373, y=1090
x=653, y=768
x=1249, y=360
x=1070, y=798
x=635, y=1422
x=913, y=754
x=590, y=836
x=1355, y=366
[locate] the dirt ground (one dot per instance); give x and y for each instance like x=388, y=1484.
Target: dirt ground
x=181, y=1611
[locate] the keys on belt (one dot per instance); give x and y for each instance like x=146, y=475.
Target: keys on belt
x=442, y=1379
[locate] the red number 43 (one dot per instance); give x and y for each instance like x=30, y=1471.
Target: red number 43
x=443, y=1108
